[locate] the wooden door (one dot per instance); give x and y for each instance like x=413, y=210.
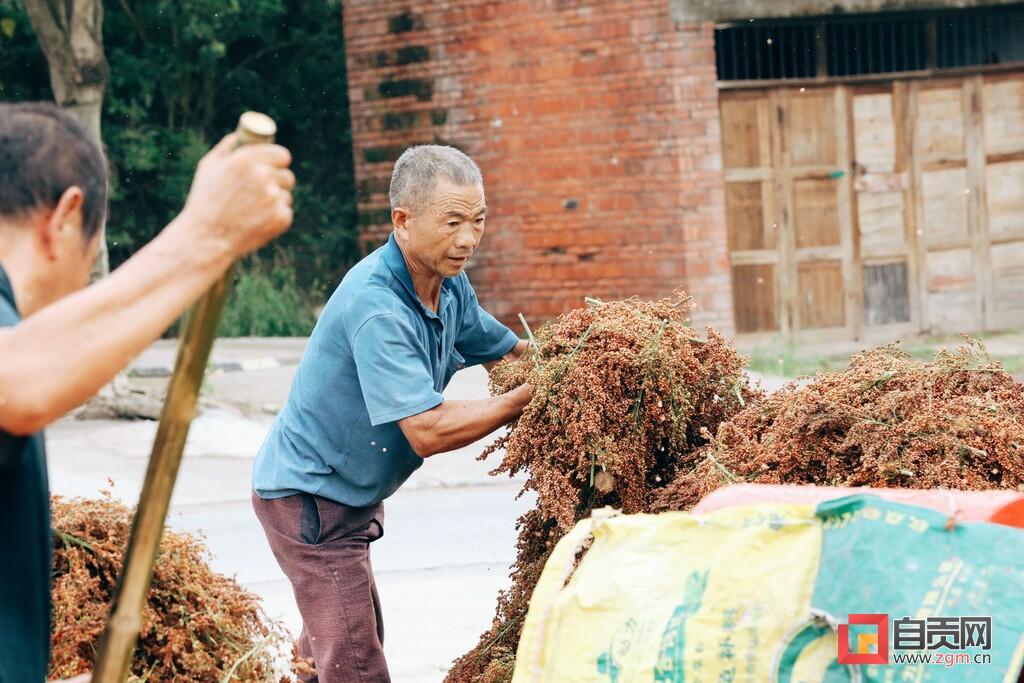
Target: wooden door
x=886, y=238
x=787, y=201
x=943, y=184
x=816, y=219
x=877, y=211
x=1002, y=147
x=751, y=208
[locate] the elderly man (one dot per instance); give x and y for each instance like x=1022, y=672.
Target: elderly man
x=366, y=406
x=53, y=200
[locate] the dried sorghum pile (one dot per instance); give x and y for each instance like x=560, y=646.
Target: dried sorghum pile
x=624, y=392
x=197, y=625
x=888, y=420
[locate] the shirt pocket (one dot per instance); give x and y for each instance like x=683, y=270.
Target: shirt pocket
x=455, y=363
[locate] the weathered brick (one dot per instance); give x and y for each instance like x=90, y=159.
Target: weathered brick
x=399, y=120
x=605, y=103
x=375, y=155
x=404, y=22
x=439, y=117
x=410, y=54
x=421, y=88
x=374, y=216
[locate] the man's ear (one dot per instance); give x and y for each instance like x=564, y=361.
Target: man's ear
x=64, y=223
x=400, y=222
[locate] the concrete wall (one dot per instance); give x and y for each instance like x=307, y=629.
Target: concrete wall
x=596, y=126
x=735, y=10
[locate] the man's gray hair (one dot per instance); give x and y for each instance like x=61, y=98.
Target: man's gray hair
x=417, y=170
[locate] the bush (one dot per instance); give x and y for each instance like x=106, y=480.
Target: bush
x=266, y=302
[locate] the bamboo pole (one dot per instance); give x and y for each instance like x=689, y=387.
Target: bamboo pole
x=118, y=641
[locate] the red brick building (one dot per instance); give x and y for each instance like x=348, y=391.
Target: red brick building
x=598, y=125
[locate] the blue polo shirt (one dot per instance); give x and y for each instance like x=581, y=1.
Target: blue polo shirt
x=377, y=355
x=25, y=528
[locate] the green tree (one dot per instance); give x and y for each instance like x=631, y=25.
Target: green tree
x=180, y=72
x=23, y=69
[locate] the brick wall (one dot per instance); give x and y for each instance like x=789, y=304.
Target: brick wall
x=596, y=126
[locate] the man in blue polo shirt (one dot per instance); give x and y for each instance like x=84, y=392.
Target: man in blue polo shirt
x=366, y=406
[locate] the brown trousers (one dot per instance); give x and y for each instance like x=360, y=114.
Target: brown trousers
x=323, y=548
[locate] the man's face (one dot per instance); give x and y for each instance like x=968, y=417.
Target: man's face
x=442, y=234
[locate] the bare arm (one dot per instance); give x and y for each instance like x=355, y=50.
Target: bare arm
x=455, y=424
x=60, y=356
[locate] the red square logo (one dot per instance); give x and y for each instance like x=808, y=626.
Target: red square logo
x=878, y=641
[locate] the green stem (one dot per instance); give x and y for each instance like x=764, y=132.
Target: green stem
x=722, y=468
x=533, y=341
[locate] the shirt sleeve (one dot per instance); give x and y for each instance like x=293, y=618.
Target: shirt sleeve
x=482, y=338
x=394, y=370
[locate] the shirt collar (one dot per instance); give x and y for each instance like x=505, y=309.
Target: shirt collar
x=395, y=262
x=6, y=291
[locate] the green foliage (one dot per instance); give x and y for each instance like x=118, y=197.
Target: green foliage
x=265, y=302
x=181, y=71
x=23, y=72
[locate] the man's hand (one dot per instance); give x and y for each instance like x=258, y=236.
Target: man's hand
x=521, y=397
x=241, y=198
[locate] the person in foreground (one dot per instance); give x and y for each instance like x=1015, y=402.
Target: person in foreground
x=366, y=406
x=61, y=341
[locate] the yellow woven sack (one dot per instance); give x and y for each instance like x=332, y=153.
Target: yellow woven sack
x=673, y=597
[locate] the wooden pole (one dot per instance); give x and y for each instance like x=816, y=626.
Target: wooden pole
x=118, y=642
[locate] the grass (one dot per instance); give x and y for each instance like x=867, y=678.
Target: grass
x=788, y=358
x=265, y=301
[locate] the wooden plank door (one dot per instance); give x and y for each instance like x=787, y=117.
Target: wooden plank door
x=751, y=208
x=1002, y=152
x=885, y=244
x=951, y=287
x=877, y=210
x=786, y=155
x=816, y=246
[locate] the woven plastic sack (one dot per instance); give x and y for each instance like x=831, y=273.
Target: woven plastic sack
x=756, y=594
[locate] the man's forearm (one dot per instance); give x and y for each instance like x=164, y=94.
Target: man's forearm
x=60, y=356
x=455, y=424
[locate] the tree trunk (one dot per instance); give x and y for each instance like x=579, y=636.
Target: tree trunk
x=70, y=32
